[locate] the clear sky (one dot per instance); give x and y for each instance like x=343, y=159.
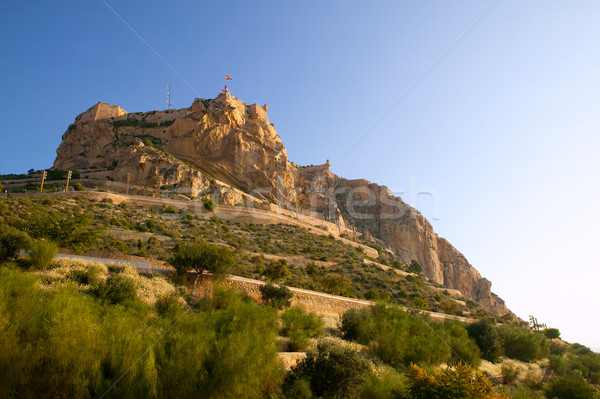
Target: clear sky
x=497, y=111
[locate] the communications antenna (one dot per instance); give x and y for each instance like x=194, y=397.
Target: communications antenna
x=169, y=96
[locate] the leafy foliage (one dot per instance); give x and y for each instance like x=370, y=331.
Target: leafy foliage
x=201, y=256
x=276, y=270
x=552, y=333
x=274, y=296
x=42, y=253
x=571, y=388
x=12, y=241
x=65, y=343
x=487, y=339
x=300, y=326
x=117, y=289
x=522, y=344
x=331, y=371
x=456, y=382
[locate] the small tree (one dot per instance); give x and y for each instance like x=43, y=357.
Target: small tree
x=487, y=339
x=12, y=241
x=336, y=284
x=117, y=289
x=415, y=267
x=202, y=256
x=277, y=297
x=331, y=371
x=277, y=270
x=552, y=333
x=299, y=326
x=42, y=254
x=571, y=388
x=209, y=204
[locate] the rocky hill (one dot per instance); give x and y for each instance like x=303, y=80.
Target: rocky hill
x=229, y=150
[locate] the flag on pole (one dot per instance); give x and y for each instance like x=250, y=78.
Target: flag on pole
x=227, y=77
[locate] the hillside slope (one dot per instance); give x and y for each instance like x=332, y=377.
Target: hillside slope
x=230, y=151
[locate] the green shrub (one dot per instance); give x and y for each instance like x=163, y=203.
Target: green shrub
x=415, y=267
x=522, y=344
x=351, y=322
x=552, y=333
x=464, y=349
x=209, y=204
x=396, y=337
x=117, y=289
x=276, y=270
x=42, y=254
x=389, y=384
x=571, y=388
x=457, y=382
x=12, y=241
x=78, y=187
x=277, y=297
x=487, y=339
x=201, y=256
x=300, y=326
x=332, y=371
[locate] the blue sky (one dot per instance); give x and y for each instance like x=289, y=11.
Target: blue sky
x=503, y=129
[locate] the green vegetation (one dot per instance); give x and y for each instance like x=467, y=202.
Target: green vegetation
x=452, y=383
x=209, y=204
x=330, y=371
x=571, y=388
x=127, y=349
x=202, y=257
x=42, y=253
x=487, y=339
x=299, y=326
x=522, y=344
x=12, y=241
x=399, y=338
x=552, y=333
x=274, y=296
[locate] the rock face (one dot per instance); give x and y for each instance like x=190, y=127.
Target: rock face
x=372, y=208
x=226, y=147
x=221, y=140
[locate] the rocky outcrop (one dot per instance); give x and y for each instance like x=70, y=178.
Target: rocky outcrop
x=221, y=140
x=372, y=208
x=230, y=149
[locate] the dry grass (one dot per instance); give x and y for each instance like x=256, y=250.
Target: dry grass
x=67, y=270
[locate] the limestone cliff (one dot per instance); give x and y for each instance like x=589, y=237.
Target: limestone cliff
x=221, y=140
x=227, y=147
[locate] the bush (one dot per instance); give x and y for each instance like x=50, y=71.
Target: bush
x=78, y=187
x=456, y=382
x=276, y=270
x=42, y=254
x=117, y=289
x=209, y=204
x=277, y=297
x=389, y=384
x=415, y=267
x=487, y=339
x=464, y=348
x=552, y=333
x=331, y=371
x=351, y=322
x=12, y=241
x=522, y=344
x=571, y=388
x=300, y=326
x=396, y=337
x=201, y=256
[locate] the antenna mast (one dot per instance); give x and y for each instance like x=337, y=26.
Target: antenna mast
x=169, y=96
